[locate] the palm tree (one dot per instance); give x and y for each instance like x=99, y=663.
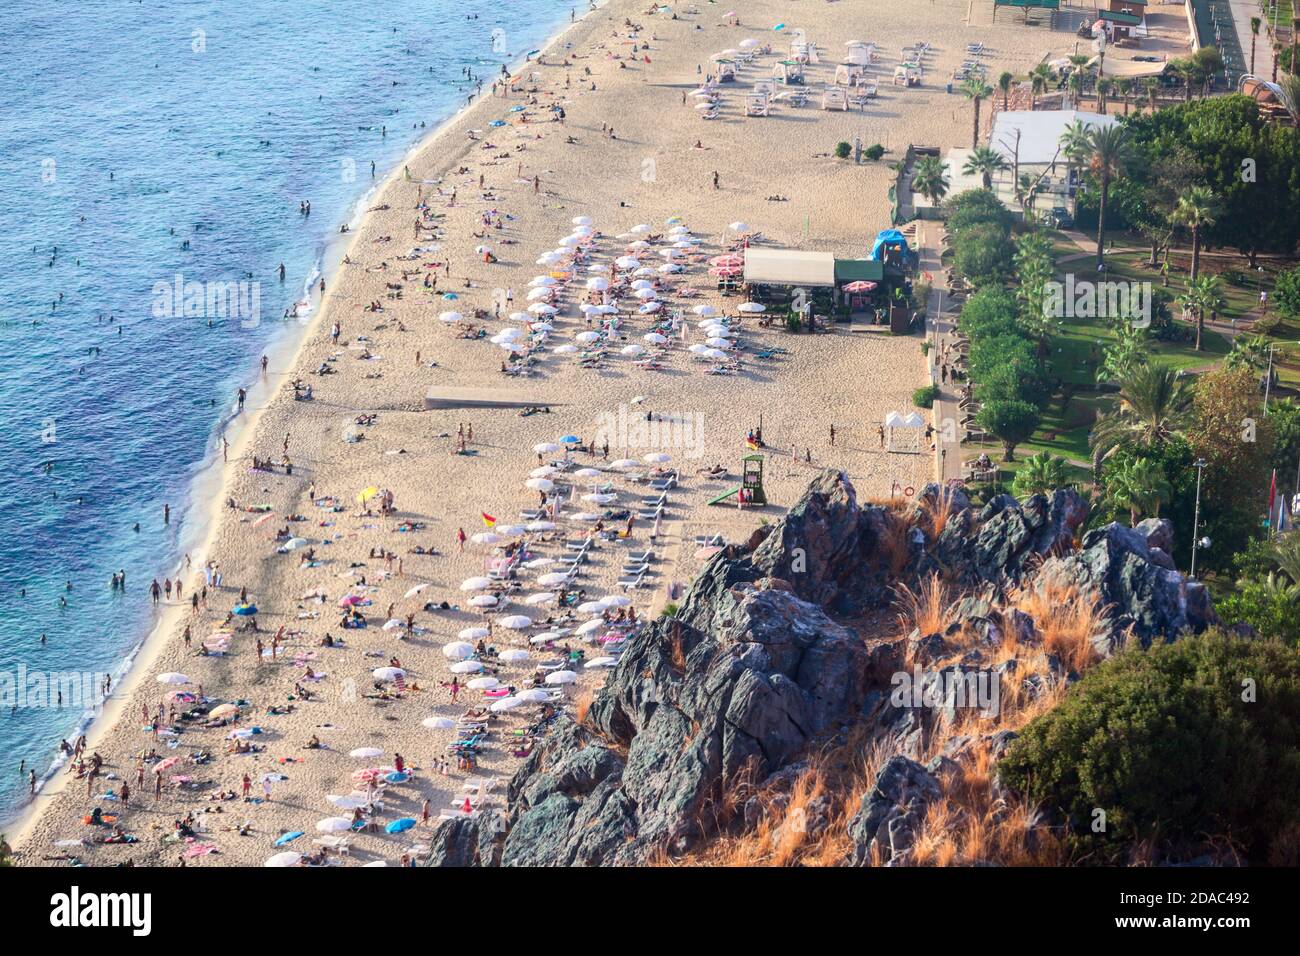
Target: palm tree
x=984, y=161
x=1041, y=474
x=1004, y=84
x=1290, y=89
x=1104, y=87
x=1203, y=295
x=1196, y=210
x=1140, y=486
x=975, y=90
x=1153, y=89
x=1254, y=35
x=1286, y=555
x=1249, y=351
x=1153, y=405
x=1125, y=87
x=1112, y=150
x=1038, y=78
x=930, y=178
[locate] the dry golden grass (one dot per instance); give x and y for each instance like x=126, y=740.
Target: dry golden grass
x=928, y=608
x=582, y=704
x=1066, y=618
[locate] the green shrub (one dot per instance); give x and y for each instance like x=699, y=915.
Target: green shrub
x=1286, y=293
x=1268, y=605
x=874, y=152
x=1170, y=742
x=924, y=396
x=843, y=150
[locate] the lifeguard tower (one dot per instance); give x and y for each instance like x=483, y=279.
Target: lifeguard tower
x=848, y=74
x=835, y=98
x=750, y=491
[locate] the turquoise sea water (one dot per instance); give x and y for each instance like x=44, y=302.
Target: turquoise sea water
x=141, y=142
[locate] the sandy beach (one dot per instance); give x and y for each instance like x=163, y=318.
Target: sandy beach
x=631, y=150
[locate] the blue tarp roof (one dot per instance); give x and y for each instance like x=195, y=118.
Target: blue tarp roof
x=888, y=237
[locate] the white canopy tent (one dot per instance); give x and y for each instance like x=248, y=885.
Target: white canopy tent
x=905, y=434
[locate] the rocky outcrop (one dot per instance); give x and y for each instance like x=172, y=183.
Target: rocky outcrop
x=1006, y=540
x=1138, y=594
x=884, y=826
x=703, y=722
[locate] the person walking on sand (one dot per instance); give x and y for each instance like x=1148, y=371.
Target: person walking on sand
x=241, y=396
x=248, y=785
x=155, y=591
x=716, y=179
x=880, y=431
x=832, y=434
x=460, y=539
x=266, y=788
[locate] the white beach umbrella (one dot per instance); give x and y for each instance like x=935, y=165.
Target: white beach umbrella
x=633, y=350
x=412, y=592
x=469, y=634
x=623, y=464
x=333, y=824
x=504, y=704
x=739, y=227
x=450, y=317
x=589, y=626
x=475, y=584
x=616, y=600
x=704, y=311
x=555, y=577
x=597, y=283
x=459, y=650
x=516, y=622
x=540, y=598
x=540, y=484
x=699, y=348
x=483, y=683
x=627, y=262
x=590, y=607
x=520, y=317
x=581, y=220
x=547, y=448
x=541, y=308
x=466, y=667
x=349, y=801
x=568, y=242
x=534, y=695
x=387, y=673
x=365, y=753
x=600, y=662
x=172, y=677
x=438, y=723
x=642, y=284
x=650, y=307
x=288, y=858
x=640, y=229
x=393, y=623
x=540, y=526
x=549, y=258
x=715, y=354
x=486, y=537
x=645, y=295
x=657, y=457
x=655, y=338
x=538, y=563
x=565, y=349
x=543, y=281
x=587, y=473
x=587, y=338
x=510, y=530
x=539, y=294
x=584, y=516
x=752, y=307
x=483, y=600
x=516, y=655
x=544, y=471
x=717, y=343
x=561, y=677
x=600, y=498
x=545, y=637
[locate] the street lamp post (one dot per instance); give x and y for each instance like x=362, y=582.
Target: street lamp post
x=1199, y=464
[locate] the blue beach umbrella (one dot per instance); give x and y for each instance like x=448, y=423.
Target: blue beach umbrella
x=779, y=26
x=397, y=777
x=571, y=440
x=289, y=837
x=398, y=826
x=244, y=610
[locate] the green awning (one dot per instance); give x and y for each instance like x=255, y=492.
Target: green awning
x=1044, y=4
x=1128, y=19
x=859, y=270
